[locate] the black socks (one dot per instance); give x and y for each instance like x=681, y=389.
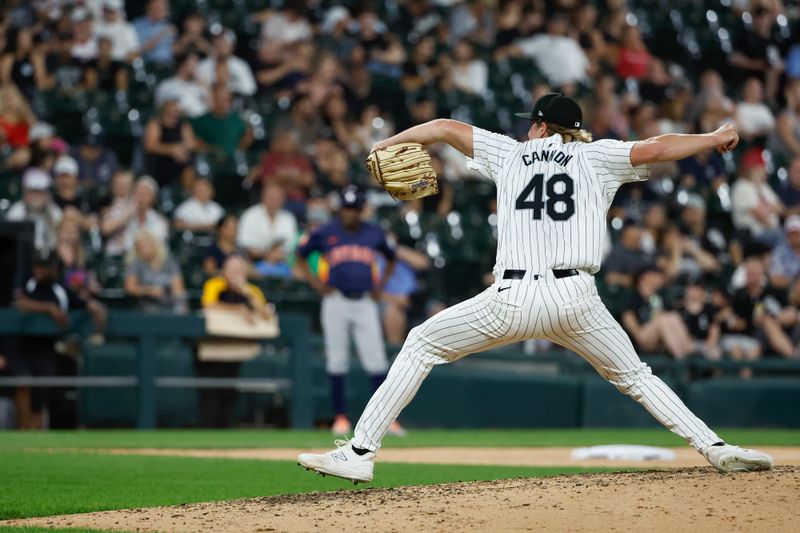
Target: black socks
x=720, y=443
x=359, y=451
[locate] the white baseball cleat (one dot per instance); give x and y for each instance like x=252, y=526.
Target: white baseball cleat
x=342, y=462
x=729, y=458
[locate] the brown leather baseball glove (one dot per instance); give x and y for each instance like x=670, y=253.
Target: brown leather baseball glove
x=404, y=170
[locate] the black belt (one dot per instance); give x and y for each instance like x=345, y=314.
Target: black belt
x=557, y=273
x=353, y=295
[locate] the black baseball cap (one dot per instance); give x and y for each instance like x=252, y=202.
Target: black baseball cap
x=556, y=108
x=352, y=197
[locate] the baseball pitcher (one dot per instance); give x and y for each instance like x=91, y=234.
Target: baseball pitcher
x=553, y=194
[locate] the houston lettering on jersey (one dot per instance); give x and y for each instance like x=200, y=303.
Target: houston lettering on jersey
x=350, y=253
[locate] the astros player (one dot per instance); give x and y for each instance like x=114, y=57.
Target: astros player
x=349, y=289
x=553, y=194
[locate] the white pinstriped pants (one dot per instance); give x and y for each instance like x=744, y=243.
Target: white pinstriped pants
x=566, y=311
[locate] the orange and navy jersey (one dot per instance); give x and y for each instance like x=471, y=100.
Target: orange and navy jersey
x=350, y=258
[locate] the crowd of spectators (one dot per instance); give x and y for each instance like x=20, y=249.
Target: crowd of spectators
x=243, y=122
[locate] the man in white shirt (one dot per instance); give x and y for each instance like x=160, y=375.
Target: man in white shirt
x=266, y=230
x=557, y=56
x=192, y=95
x=124, y=39
x=199, y=212
x=84, y=44
x=37, y=206
x=239, y=75
x=755, y=207
x=286, y=27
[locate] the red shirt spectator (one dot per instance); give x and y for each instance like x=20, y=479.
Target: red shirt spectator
x=633, y=58
x=285, y=165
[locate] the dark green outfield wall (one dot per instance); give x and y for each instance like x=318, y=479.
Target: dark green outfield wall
x=460, y=395
x=499, y=389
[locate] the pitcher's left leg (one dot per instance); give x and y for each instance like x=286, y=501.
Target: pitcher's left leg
x=471, y=326
x=581, y=322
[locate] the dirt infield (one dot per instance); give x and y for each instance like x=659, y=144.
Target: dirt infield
x=551, y=456
x=680, y=500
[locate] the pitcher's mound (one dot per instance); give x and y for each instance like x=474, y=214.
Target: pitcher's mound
x=683, y=500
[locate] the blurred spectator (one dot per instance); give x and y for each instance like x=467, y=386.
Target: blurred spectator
x=626, y=257
x=96, y=162
x=470, y=74
x=334, y=171
x=169, y=144
x=153, y=276
x=126, y=217
x=755, y=206
x=756, y=52
x=230, y=291
x=702, y=172
x=113, y=26
x=116, y=213
x=700, y=319
x=784, y=264
x=192, y=94
x=655, y=224
x=79, y=281
x=68, y=196
x=266, y=230
x=705, y=247
x=222, y=67
x=84, y=43
x=632, y=57
x=192, y=39
x=199, y=212
x=221, y=130
x=104, y=72
x=36, y=355
x=224, y=245
x=343, y=127
x=558, y=56
x=589, y=36
x=22, y=64
x=63, y=72
x=303, y=119
x=383, y=52
x=277, y=70
x=37, y=206
x=749, y=319
x=789, y=193
x=711, y=106
x=784, y=141
x=396, y=299
x=474, y=20
x=421, y=69
x=372, y=127
x=16, y=120
x=655, y=84
x=753, y=117
x=286, y=26
x=285, y=165
x=156, y=33
x=650, y=326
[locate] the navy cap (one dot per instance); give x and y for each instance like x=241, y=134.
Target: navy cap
x=556, y=108
x=352, y=196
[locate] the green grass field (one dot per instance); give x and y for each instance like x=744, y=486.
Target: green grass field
x=57, y=472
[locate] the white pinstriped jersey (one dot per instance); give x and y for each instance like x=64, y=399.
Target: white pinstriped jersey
x=552, y=198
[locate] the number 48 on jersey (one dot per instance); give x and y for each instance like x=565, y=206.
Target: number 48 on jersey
x=555, y=194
